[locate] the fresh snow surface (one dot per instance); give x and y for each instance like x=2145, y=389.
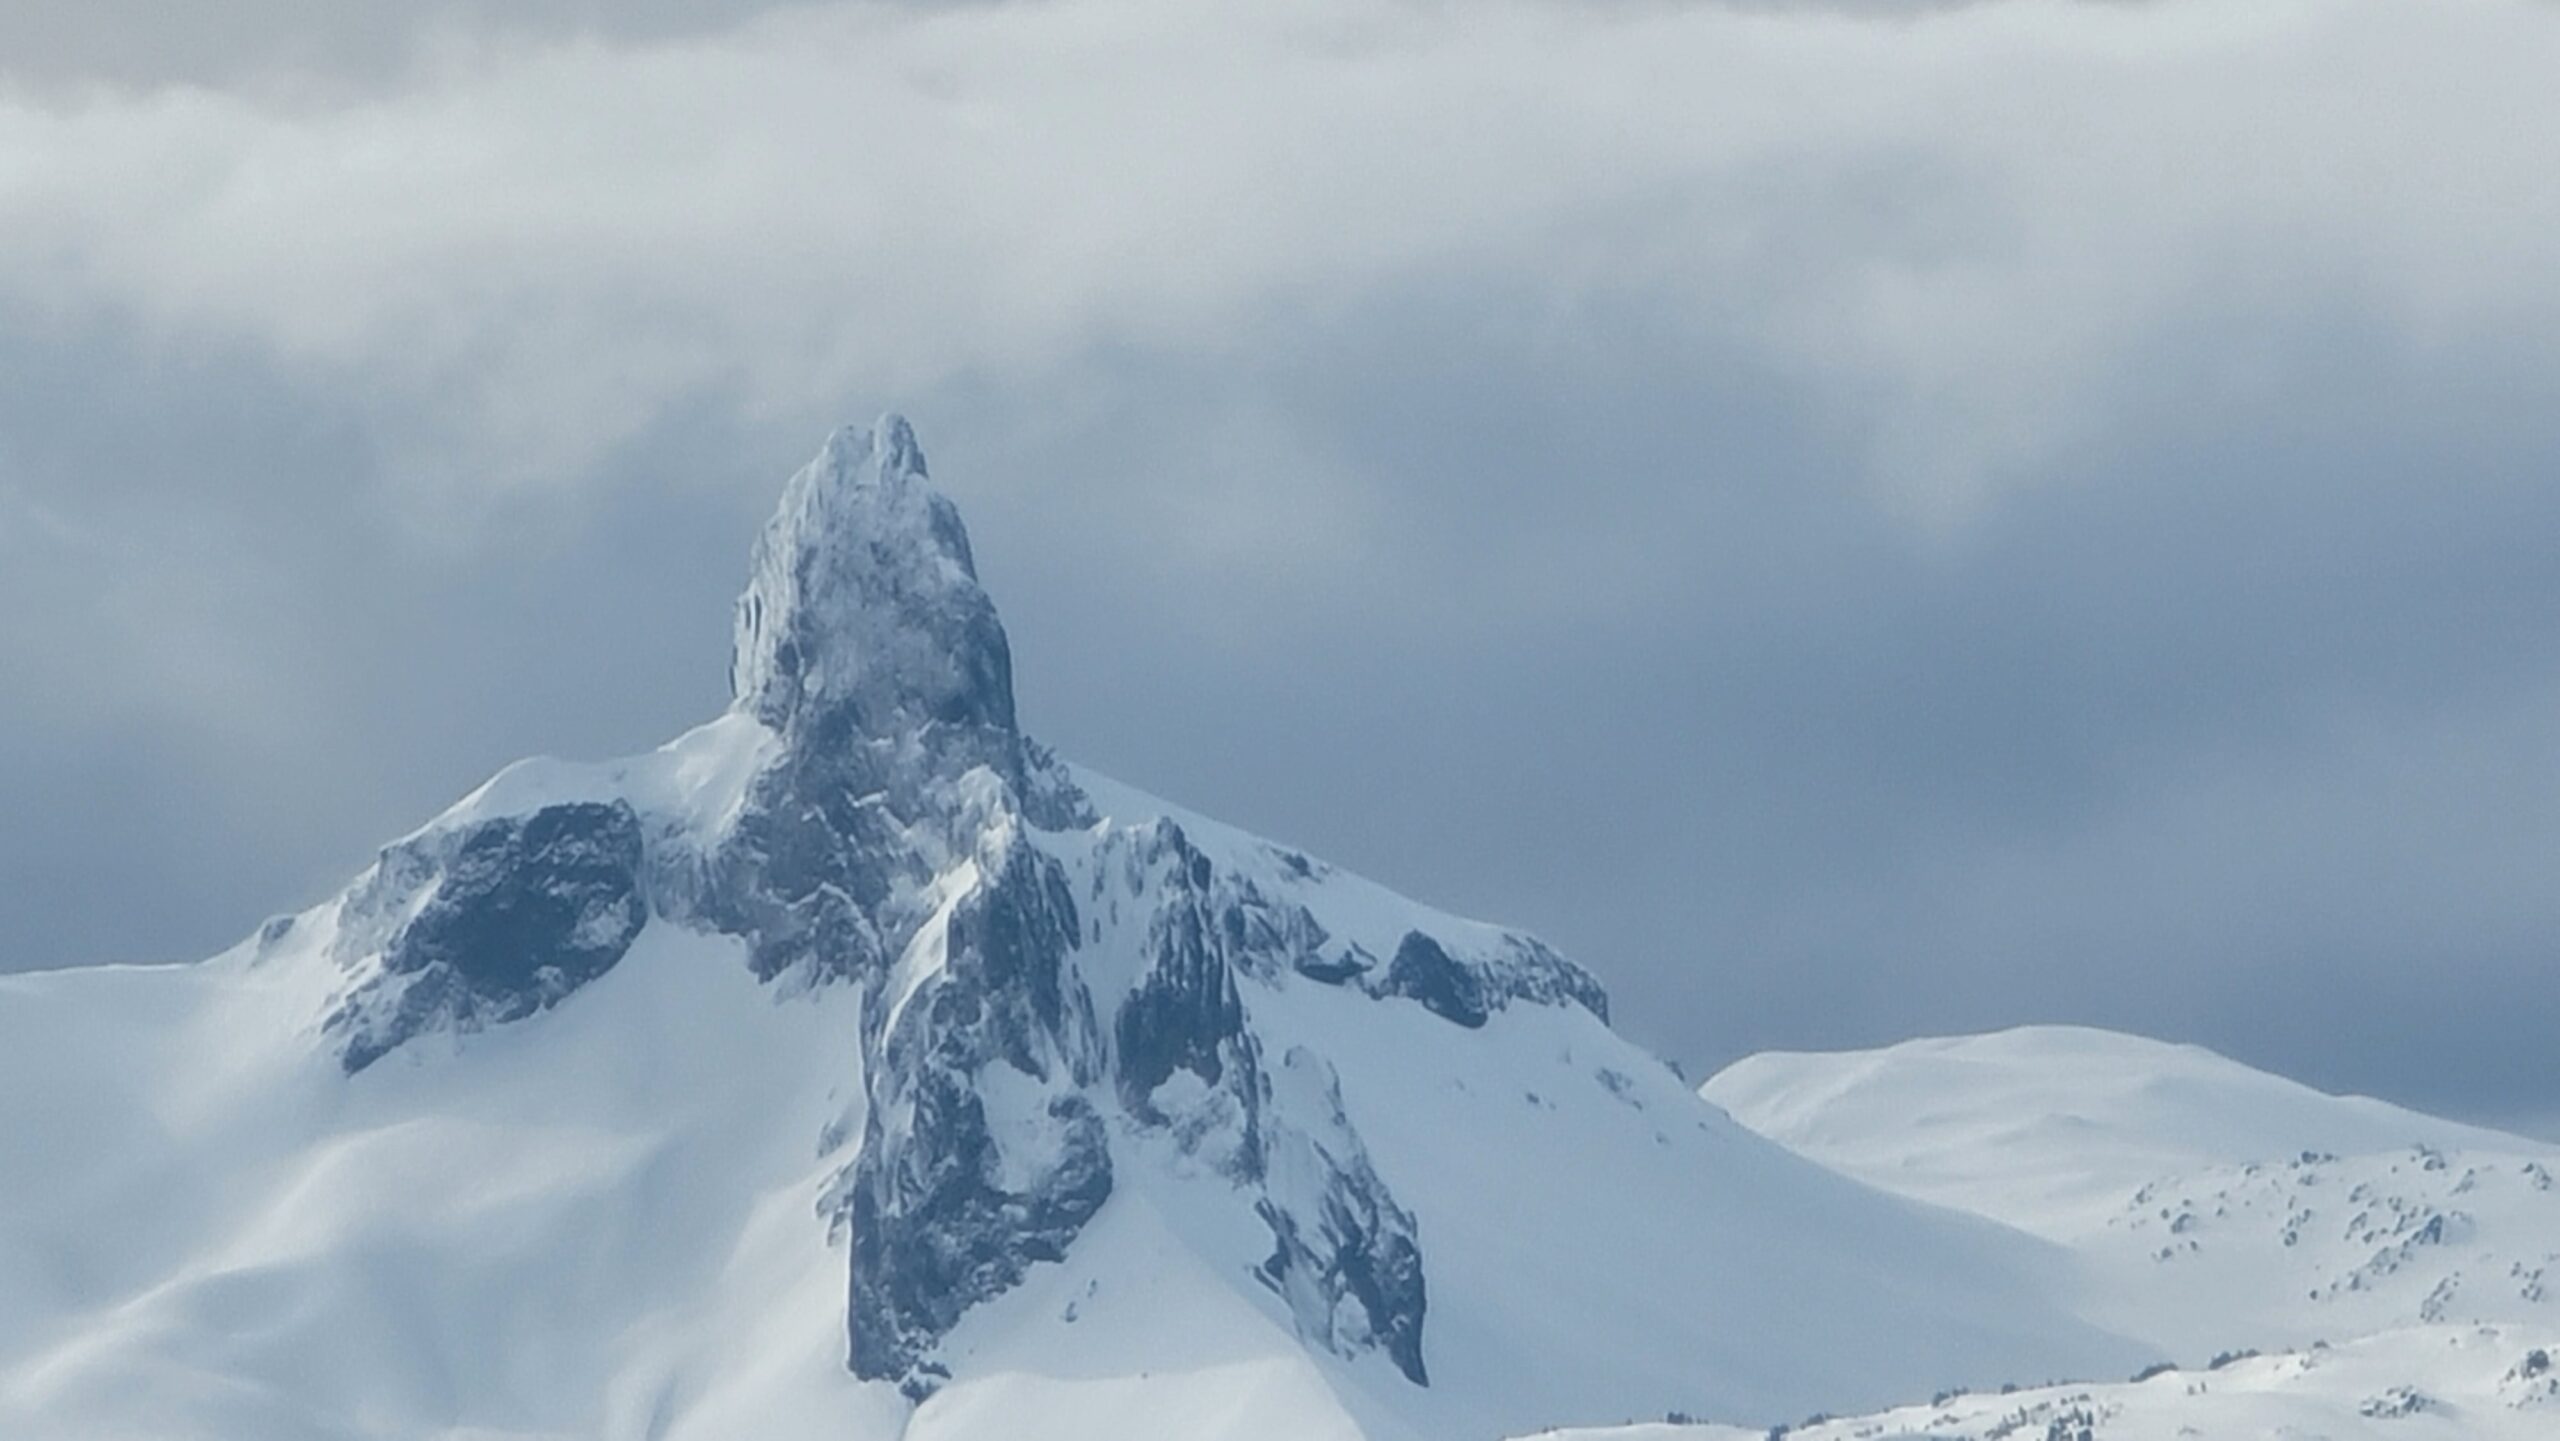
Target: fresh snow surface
x=2208, y=1206
x=599, y=1224
x=700, y=779
x=2434, y=1383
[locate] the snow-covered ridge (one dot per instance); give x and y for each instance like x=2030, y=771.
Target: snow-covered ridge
x=2483, y=1383
x=2062, y=1107
x=2209, y=1207
x=2324, y=1266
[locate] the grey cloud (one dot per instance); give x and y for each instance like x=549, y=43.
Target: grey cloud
x=2235, y=731
x=234, y=671
x=68, y=44
x=859, y=200
x=62, y=44
x=2238, y=730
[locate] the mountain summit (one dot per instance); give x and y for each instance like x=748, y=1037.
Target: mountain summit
x=853, y=1067
x=863, y=611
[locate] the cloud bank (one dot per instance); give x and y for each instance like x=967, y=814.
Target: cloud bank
x=1852, y=519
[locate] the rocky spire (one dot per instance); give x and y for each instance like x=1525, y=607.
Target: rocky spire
x=863, y=615
x=1027, y=996
x=865, y=641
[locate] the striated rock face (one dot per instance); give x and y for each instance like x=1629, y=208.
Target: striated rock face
x=1047, y=996
x=1184, y=1013
x=949, y=1204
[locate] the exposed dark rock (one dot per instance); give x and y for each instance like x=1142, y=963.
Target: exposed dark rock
x=935, y=1232
x=1423, y=972
x=1531, y=971
x=1357, y=1246
x=865, y=640
x=509, y=915
x=1469, y=992
x=1184, y=1013
x=864, y=610
x=810, y=864
x=943, y=1218
x=1341, y=968
x=1343, y=1254
x=1337, y=1233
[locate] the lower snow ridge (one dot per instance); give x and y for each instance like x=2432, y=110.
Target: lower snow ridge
x=2208, y=1207
x=2437, y=1383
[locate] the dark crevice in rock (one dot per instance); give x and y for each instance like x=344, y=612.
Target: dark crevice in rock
x=1184, y=1013
x=1343, y=967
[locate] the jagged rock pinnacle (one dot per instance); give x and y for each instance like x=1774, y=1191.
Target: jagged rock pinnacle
x=1045, y=998
x=863, y=613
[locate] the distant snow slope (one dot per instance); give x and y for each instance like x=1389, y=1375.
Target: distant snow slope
x=852, y=1068
x=2436, y=1383
x=2209, y=1206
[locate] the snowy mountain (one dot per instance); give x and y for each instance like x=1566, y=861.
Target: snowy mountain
x=853, y=1067
x=2208, y=1207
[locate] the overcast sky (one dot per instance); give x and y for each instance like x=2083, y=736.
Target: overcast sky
x=1854, y=520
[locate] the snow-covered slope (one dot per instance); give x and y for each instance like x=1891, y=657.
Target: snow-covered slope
x=2208, y=1206
x=2436, y=1383
x=851, y=1067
